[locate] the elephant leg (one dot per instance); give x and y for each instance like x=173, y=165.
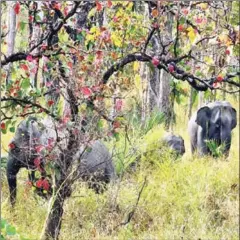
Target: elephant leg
x=12, y=170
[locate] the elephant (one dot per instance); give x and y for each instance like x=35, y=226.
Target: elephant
x=215, y=121
x=175, y=142
x=94, y=166
x=22, y=152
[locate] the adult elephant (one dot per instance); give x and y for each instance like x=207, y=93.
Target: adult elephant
x=23, y=152
x=32, y=134
x=215, y=121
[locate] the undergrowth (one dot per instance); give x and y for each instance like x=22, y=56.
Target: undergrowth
x=182, y=198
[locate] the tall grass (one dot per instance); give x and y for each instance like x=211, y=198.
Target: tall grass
x=192, y=198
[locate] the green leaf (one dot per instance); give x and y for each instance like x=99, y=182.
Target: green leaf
x=12, y=129
x=25, y=83
x=3, y=223
x=22, y=26
x=2, y=238
x=116, y=135
x=11, y=230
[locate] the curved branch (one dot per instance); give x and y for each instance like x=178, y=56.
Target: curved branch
x=196, y=82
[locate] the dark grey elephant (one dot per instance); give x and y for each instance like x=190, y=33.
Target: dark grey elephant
x=175, y=142
x=215, y=121
x=22, y=152
x=94, y=166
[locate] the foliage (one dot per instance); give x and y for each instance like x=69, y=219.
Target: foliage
x=217, y=151
x=62, y=72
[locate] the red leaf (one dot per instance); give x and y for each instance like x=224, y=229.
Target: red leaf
x=30, y=18
x=155, y=61
x=70, y=65
x=99, y=6
x=39, y=183
x=24, y=67
x=45, y=184
x=37, y=162
x=29, y=58
x=118, y=105
x=50, y=103
x=170, y=68
x=86, y=91
x=116, y=124
x=109, y=3
x=185, y=11
x=99, y=55
x=199, y=20
x=39, y=148
x=11, y=145
x=180, y=28
x=219, y=78
x=56, y=6
x=227, y=52
x=3, y=125
x=17, y=8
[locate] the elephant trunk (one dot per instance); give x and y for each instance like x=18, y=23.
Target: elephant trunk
x=226, y=139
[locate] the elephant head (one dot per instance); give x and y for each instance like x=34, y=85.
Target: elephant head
x=217, y=121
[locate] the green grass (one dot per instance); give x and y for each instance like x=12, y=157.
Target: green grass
x=191, y=198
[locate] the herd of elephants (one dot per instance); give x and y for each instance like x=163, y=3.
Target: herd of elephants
x=215, y=121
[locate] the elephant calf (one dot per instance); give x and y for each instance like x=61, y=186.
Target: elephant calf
x=215, y=121
x=175, y=142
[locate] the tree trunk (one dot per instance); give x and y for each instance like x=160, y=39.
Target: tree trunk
x=54, y=219
x=165, y=105
x=190, y=103
x=11, y=36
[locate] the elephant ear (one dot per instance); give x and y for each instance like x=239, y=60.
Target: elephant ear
x=203, y=116
x=234, y=118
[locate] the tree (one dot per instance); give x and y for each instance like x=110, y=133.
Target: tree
x=82, y=55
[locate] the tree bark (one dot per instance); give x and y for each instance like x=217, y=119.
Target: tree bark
x=11, y=36
x=54, y=219
x=190, y=103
